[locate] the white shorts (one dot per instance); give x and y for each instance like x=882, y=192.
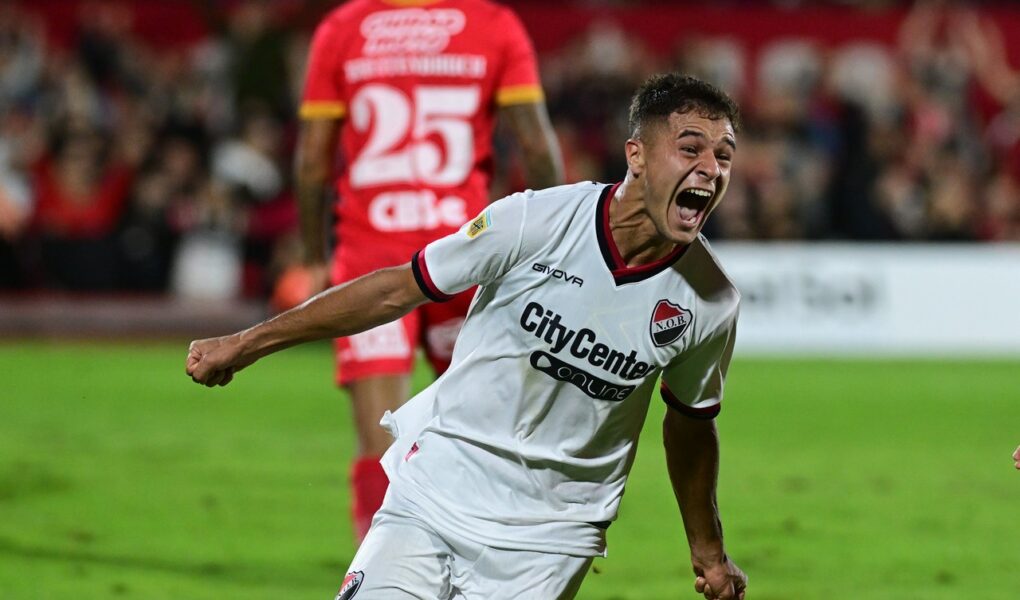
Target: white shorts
x=403, y=558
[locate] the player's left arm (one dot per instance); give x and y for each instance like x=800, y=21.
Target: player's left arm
x=530, y=125
x=521, y=103
x=692, y=387
x=692, y=458
x=1016, y=457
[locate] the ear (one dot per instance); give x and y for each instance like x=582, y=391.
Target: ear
x=634, y=149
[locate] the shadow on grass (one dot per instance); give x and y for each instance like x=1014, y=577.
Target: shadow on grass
x=257, y=574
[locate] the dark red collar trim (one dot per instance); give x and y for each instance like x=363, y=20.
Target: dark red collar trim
x=611, y=254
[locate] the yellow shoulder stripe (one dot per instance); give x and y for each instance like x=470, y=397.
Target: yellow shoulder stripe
x=322, y=110
x=519, y=94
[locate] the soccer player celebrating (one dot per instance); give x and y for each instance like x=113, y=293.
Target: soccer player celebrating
x=506, y=472
x=408, y=92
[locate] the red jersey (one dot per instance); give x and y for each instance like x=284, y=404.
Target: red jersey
x=59, y=214
x=418, y=85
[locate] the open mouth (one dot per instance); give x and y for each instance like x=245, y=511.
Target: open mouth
x=691, y=204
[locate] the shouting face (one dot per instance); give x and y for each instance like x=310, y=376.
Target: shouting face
x=683, y=166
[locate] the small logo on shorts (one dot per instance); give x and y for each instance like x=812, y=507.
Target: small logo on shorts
x=351, y=585
x=480, y=224
x=414, y=450
x=669, y=322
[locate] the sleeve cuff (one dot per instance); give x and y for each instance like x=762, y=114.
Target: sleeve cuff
x=424, y=280
x=705, y=413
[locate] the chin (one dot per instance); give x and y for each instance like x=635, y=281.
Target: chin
x=687, y=237
x=682, y=237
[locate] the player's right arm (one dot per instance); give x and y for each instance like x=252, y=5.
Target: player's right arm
x=480, y=252
x=313, y=170
x=1016, y=457
x=346, y=309
x=323, y=108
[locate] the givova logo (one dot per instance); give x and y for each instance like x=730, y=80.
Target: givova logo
x=669, y=322
x=351, y=585
x=557, y=274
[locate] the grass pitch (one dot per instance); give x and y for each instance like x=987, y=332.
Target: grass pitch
x=857, y=480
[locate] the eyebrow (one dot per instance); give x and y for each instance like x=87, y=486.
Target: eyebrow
x=692, y=132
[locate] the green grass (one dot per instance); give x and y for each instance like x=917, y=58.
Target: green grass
x=119, y=478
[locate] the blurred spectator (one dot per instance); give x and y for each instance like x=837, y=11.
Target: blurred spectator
x=22, y=47
x=163, y=198
x=252, y=45
x=21, y=142
x=123, y=162
x=81, y=190
x=250, y=162
x=999, y=215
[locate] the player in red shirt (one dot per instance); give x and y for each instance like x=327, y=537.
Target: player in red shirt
x=408, y=92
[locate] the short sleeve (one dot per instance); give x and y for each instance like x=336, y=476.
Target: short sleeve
x=483, y=250
x=693, y=383
x=519, y=82
x=322, y=97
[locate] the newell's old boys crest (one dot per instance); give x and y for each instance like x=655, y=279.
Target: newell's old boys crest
x=669, y=322
x=350, y=585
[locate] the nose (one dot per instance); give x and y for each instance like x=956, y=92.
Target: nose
x=709, y=169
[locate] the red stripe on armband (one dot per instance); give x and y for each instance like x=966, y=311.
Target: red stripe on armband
x=706, y=412
x=424, y=280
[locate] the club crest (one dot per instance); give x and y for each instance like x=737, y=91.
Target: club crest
x=350, y=585
x=669, y=322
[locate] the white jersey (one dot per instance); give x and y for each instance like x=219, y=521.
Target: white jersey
x=526, y=441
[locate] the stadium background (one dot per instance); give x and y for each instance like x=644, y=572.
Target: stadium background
x=145, y=198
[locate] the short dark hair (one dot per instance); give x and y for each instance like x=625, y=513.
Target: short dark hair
x=664, y=94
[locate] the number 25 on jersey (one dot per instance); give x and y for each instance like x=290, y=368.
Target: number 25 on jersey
x=435, y=123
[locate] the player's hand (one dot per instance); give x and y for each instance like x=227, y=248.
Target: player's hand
x=720, y=581
x=1016, y=457
x=214, y=361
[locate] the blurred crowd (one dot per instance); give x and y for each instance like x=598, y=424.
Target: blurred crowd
x=914, y=142
x=132, y=168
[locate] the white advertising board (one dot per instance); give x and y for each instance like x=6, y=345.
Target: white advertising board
x=876, y=299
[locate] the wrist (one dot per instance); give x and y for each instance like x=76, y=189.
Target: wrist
x=704, y=555
x=253, y=343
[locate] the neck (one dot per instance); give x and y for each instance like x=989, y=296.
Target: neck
x=633, y=230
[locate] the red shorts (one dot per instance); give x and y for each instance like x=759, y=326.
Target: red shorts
x=390, y=349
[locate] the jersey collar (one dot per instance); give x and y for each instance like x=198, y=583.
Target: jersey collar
x=623, y=274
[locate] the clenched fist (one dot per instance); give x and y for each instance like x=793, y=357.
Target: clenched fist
x=214, y=361
x=720, y=581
